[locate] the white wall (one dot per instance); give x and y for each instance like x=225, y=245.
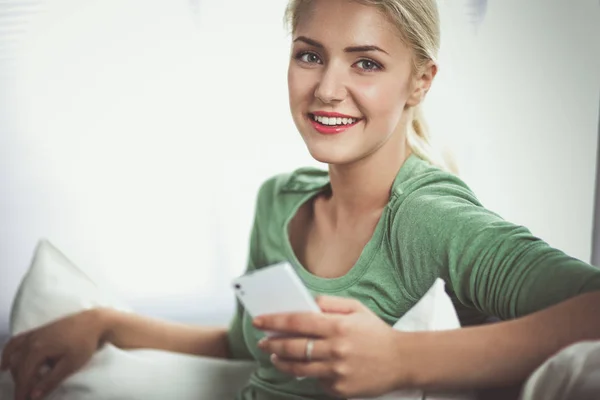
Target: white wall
x=137, y=132
x=530, y=80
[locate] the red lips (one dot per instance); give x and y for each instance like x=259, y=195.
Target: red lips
x=331, y=130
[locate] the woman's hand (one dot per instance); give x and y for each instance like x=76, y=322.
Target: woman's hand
x=354, y=352
x=64, y=346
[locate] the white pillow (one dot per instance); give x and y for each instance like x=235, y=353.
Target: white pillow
x=54, y=287
x=572, y=374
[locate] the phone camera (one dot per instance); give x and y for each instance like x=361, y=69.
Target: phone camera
x=238, y=286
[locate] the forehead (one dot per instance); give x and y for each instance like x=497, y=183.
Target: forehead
x=347, y=22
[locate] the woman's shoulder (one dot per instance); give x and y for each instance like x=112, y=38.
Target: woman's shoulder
x=281, y=193
x=301, y=180
x=428, y=202
x=420, y=182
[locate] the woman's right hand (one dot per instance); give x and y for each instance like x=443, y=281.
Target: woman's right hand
x=64, y=346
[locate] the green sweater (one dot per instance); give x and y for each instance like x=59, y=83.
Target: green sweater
x=433, y=226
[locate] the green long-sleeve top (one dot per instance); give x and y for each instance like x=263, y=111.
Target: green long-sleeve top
x=433, y=226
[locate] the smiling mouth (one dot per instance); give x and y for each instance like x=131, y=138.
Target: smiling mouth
x=332, y=124
x=333, y=121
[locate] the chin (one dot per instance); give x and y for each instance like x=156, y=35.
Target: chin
x=329, y=153
x=335, y=149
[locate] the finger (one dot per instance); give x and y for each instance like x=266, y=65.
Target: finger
x=317, y=369
x=29, y=370
x=16, y=368
x=338, y=305
x=52, y=379
x=13, y=364
x=297, y=324
x=16, y=359
x=295, y=349
x=11, y=347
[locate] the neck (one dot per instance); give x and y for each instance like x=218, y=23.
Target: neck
x=364, y=187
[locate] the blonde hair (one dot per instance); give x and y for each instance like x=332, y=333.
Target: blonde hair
x=419, y=26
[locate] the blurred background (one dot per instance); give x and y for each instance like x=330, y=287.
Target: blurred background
x=134, y=134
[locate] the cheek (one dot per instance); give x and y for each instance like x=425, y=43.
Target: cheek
x=381, y=100
x=299, y=85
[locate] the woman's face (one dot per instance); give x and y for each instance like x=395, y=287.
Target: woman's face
x=349, y=80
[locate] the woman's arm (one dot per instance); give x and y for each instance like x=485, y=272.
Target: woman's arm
x=69, y=343
x=499, y=354
x=355, y=354
x=129, y=331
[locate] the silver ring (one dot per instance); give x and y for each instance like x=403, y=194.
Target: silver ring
x=309, y=348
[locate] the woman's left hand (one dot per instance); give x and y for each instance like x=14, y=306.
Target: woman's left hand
x=354, y=353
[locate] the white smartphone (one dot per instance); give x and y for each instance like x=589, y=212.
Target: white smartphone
x=273, y=290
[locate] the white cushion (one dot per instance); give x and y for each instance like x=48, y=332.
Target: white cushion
x=571, y=374
x=54, y=287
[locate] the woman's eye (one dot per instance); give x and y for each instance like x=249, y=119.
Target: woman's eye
x=368, y=65
x=310, y=58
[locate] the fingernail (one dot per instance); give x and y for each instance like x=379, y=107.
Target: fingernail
x=258, y=322
x=262, y=342
x=274, y=358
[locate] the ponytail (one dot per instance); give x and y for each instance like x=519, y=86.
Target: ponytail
x=419, y=142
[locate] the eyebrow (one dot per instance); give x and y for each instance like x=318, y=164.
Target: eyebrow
x=351, y=49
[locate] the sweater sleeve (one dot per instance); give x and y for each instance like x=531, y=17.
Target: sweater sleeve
x=490, y=264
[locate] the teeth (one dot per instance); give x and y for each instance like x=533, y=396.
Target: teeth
x=333, y=121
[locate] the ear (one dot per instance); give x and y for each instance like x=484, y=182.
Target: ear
x=422, y=83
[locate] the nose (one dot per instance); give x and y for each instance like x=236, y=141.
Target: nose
x=331, y=88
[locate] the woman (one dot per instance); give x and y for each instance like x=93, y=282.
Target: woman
x=373, y=233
